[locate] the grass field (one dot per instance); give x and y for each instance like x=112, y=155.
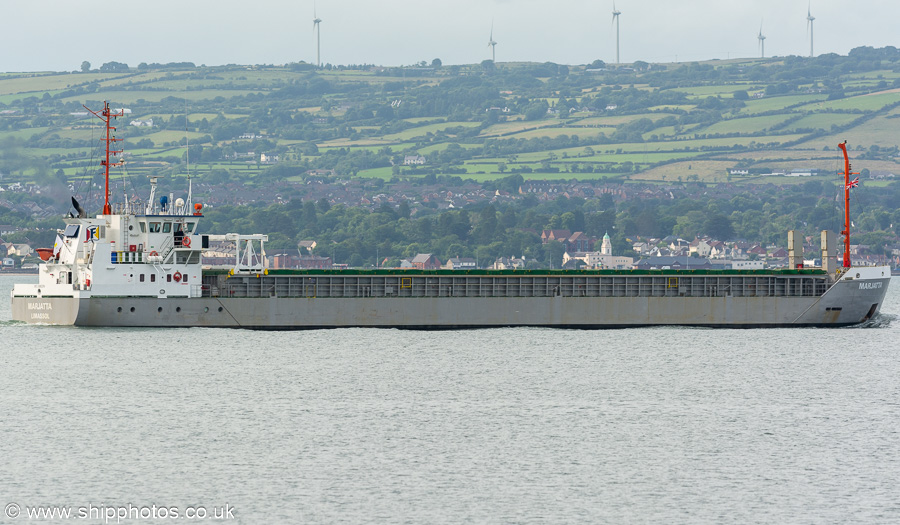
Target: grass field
x=704, y=170
x=672, y=152
x=700, y=145
x=376, y=173
x=22, y=134
x=618, y=120
x=193, y=117
x=427, y=150
x=516, y=126
x=161, y=137
x=886, y=74
x=421, y=131
x=670, y=107
x=131, y=80
x=725, y=91
x=419, y=120
x=557, y=132
x=44, y=83
x=130, y=97
x=879, y=131
x=784, y=154
x=872, y=102
x=13, y=98
x=375, y=147
x=368, y=143
x=667, y=132
x=877, y=183
x=822, y=121
x=748, y=125
x=765, y=104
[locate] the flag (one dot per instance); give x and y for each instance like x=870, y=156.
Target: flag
x=853, y=183
x=57, y=246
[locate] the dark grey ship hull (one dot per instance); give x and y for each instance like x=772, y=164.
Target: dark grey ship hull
x=548, y=302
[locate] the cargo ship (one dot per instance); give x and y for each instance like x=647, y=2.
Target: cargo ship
x=142, y=266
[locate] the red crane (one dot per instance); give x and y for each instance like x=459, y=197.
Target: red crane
x=848, y=184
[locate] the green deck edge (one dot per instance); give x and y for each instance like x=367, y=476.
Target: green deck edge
x=561, y=273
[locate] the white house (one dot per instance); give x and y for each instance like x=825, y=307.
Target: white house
x=22, y=250
x=509, y=263
x=413, y=160
x=700, y=247
x=460, y=263
x=600, y=260
x=748, y=265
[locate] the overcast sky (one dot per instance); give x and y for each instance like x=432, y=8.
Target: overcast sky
x=42, y=35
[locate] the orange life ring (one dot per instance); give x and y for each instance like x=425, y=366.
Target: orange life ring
x=177, y=277
x=186, y=242
x=153, y=254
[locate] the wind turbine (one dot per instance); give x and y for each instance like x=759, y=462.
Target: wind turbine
x=615, y=18
x=493, y=45
x=318, y=30
x=809, y=28
x=762, y=42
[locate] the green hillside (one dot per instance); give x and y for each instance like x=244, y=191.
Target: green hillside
x=540, y=120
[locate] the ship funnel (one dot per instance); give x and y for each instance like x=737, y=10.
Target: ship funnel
x=81, y=213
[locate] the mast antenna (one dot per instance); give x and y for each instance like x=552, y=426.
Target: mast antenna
x=105, y=116
x=187, y=153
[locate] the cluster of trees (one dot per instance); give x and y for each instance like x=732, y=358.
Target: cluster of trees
x=487, y=231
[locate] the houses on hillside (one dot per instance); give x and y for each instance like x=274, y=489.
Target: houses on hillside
x=573, y=242
x=426, y=261
x=460, y=263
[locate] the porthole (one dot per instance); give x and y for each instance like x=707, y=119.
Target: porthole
x=220, y=308
x=178, y=309
x=119, y=309
x=132, y=309
x=205, y=308
x=159, y=309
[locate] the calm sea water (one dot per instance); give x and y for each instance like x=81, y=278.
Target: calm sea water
x=662, y=425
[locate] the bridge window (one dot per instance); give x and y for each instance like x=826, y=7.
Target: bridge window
x=167, y=227
x=154, y=227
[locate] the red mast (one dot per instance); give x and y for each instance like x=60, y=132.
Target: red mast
x=847, y=185
x=105, y=116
